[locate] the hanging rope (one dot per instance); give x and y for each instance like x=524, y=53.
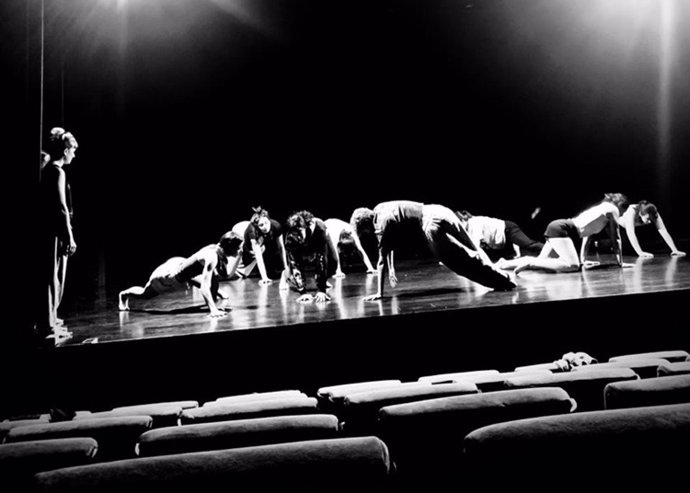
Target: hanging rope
x=41, y=75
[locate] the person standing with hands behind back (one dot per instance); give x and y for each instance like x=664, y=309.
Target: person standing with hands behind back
x=56, y=240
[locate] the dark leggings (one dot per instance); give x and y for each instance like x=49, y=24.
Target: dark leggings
x=516, y=236
x=464, y=260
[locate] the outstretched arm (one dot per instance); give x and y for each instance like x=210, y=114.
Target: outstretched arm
x=583, y=248
x=381, y=268
x=232, y=266
x=286, y=269
x=362, y=251
x=259, y=256
x=334, y=244
x=210, y=260
x=392, y=278
x=615, y=237
x=661, y=227
x=296, y=274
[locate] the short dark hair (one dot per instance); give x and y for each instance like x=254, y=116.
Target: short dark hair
x=617, y=199
x=230, y=243
x=299, y=219
x=259, y=212
x=644, y=207
x=362, y=218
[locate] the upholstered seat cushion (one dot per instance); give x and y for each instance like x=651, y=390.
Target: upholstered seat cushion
x=238, y=433
x=648, y=392
x=342, y=464
x=251, y=409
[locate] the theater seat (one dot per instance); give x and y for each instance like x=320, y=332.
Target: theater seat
x=238, y=433
x=341, y=464
x=671, y=356
x=609, y=450
x=425, y=437
x=586, y=387
x=209, y=413
x=667, y=369
x=644, y=367
x=116, y=437
x=20, y=461
x=6, y=426
x=331, y=396
x=461, y=376
x=491, y=383
x=359, y=410
x=550, y=366
x=259, y=396
x=162, y=414
x=648, y=392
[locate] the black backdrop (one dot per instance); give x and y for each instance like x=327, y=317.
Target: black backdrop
x=189, y=113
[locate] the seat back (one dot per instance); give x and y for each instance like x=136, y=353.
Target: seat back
x=586, y=387
x=425, y=437
x=20, y=461
x=319, y=465
x=237, y=433
x=648, y=392
x=116, y=437
x=609, y=450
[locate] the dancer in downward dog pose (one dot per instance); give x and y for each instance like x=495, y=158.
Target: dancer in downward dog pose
x=394, y=221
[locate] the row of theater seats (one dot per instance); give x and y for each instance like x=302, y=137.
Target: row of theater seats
x=533, y=427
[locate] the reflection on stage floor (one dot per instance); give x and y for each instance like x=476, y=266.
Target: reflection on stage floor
x=423, y=287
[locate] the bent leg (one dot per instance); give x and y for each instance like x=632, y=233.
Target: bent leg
x=162, y=279
x=450, y=243
x=466, y=262
x=567, y=259
x=126, y=294
x=527, y=245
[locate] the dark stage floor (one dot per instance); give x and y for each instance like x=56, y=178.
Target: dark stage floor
x=433, y=322
x=423, y=287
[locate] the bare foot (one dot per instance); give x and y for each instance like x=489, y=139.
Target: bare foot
x=123, y=302
x=522, y=267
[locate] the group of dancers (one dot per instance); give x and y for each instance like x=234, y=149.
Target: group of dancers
x=306, y=251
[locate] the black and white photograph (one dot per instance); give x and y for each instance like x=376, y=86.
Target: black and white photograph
x=387, y=245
